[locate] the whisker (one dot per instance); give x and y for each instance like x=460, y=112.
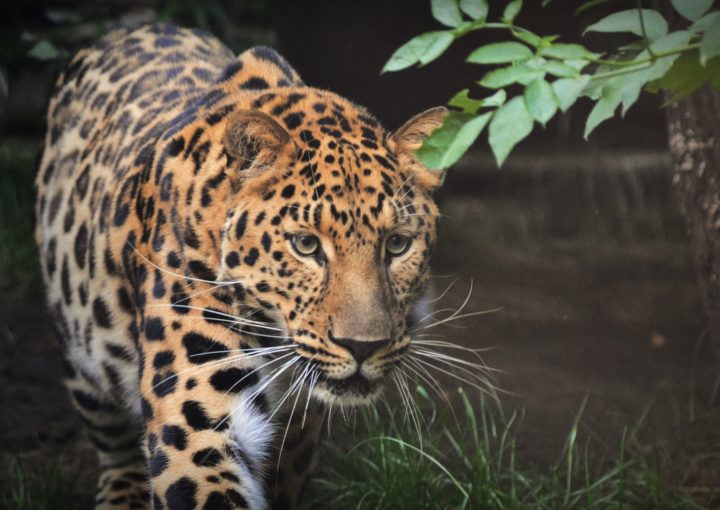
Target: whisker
x=458, y=310
x=414, y=411
x=178, y=275
x=408, y=402
x=271, y=377
x=444, y=293
x=432, y=383
x=205, y=366
x=233, y=326
x=316, y=376
x=299, y=383
x=252, y=352
x=204, y=291
x=486, y=388
x=452, y=359
x=457, y=365
x=329, y=418
x=456, y=317
x=427, y=377
x=450, y=345
x=255, y=370
x=241, y=320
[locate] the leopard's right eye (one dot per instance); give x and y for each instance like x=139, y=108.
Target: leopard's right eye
x=306, y=245
x=397, y=244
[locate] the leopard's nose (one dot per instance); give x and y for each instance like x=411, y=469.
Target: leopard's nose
x=361, y=349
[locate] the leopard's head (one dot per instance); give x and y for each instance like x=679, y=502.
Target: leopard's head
x=331, y=234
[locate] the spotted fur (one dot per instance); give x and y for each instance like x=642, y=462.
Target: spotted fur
x=174, y=181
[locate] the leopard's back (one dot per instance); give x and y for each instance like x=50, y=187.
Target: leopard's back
x=113, y=103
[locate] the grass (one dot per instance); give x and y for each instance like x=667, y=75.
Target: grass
x=471, y=461
x=467, y=460
x=51, y=487
x=18, y=256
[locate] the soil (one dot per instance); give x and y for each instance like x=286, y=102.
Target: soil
x=592, y=301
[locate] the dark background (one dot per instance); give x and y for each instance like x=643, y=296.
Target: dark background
x=340, y=46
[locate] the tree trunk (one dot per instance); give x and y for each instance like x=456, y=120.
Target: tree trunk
x=694, y=137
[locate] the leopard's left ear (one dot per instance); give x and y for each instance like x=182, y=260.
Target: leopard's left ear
x=257, y=142
x=411, y=136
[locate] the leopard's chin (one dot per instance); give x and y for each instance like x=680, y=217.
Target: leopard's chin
x=356, y=390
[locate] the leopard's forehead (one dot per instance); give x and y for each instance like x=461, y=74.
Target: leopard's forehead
x=345, y=164
x=312, y=116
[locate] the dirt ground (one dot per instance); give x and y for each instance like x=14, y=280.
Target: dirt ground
x=594, y=299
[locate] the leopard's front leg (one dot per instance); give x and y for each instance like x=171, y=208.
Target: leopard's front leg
x=208, y=436
x=290, y=472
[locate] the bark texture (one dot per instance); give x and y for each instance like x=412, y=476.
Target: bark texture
x=694, y=137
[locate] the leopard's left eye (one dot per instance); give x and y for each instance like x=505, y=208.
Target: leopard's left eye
x=306, y=244
x=397, y=244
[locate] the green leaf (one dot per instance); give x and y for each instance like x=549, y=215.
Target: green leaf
x=540, y=100
x=692, y=10
x=565, y=52
x=604, y=108
x=567, y=90
x=44, y=50
x=589, y=5
x=497, y=99
x=511, y=10
x=578, y=65
x=715, y=74
x=593, y=90
x=437, y=47
x=629, y=21
x=500, y=53
x=704, y=23
x=685, y=77
x=632, y=83
x=451, y=140
x=447, y=12
x=528, y=37
x=476, y=9
x=463, y=101
x=710, y=44
x=421, y=49
x=560, y=70
x=510, y=124
x=502, y=77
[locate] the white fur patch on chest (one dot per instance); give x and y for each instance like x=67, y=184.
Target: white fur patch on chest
x=252, y=435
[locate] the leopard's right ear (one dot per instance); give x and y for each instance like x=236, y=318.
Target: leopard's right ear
x=257, y=142
x=411, y=136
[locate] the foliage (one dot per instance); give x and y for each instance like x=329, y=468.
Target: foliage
x=51, y=488
x=18, y=259
x=49, y=35
x=554, y=75
x=470, y=461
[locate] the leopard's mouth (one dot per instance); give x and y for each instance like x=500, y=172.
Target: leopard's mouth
x=353, y=390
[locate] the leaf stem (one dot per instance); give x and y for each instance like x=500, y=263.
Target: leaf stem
x=630, y=66
x=464, y=29
x=619, y=72
x=459, y=32
x=644, y=31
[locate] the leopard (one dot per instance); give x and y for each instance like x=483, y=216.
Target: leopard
x=227, y=253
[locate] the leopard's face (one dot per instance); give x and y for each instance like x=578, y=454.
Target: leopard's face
x=332, y=243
